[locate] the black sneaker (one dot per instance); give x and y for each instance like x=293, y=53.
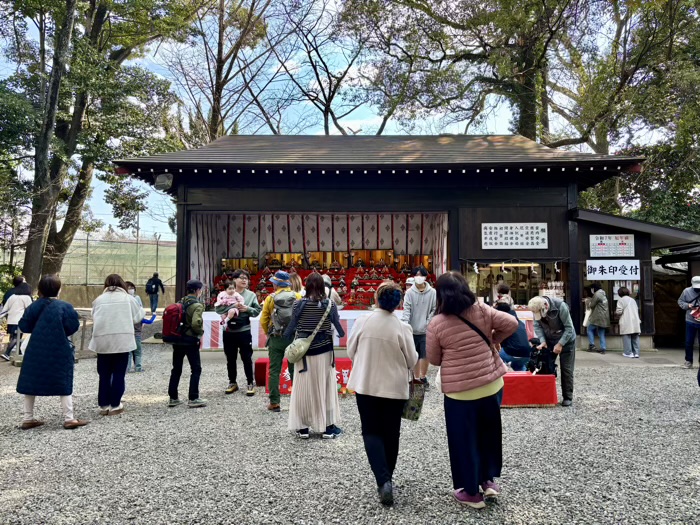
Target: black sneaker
x=386, y=494
x=592, y=348
x=331, y=432
x=5, y=357
x=303, y=433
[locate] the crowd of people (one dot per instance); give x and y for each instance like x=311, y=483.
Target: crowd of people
x=444, y=325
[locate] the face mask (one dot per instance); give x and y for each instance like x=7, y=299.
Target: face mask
x=418, y=279
x=132, y=291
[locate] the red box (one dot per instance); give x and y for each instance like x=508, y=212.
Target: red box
x=522, y=389
x=343, y=366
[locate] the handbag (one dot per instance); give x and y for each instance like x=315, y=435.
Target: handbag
x=414, y=404
x=298, y=348
x=488, y=342
x=586, y=316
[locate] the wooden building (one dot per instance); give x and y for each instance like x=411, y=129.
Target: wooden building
x=490, y=206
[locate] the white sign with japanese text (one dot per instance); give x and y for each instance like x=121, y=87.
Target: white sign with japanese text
x=514, y=235
x=612, y=245
x=613, y=270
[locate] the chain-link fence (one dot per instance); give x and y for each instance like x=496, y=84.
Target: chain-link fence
x=89, y=261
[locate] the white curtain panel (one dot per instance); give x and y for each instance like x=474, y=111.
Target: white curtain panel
x=370, y=229
x=355, y=228
x=384, y=225
x=310, y=232
x=296, y=235
x=340, y=233
x=325, y=233
x=217, y=236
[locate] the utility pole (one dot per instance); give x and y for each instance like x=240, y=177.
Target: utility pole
x=87, y=259
x=138, y=230
x=157, y=236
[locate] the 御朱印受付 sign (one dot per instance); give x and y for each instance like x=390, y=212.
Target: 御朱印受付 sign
x=613, y=270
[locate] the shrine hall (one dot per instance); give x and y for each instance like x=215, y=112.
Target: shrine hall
x=367, y=208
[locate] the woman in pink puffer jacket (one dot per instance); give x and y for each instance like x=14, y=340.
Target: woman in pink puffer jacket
x=472, y=381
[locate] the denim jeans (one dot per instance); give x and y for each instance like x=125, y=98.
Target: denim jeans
x=154, y=302
x=12, y=332
x=630, y=344
x=692, y=331
x=136, y=356
x=592, y=329
x=518, y=364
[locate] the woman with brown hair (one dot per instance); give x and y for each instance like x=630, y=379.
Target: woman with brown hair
x=295, y=281
x=114, y=314
x=383, y=354
x=461, y=339
x=314, y=402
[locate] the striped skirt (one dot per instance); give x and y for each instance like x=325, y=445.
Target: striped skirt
x=314, y=402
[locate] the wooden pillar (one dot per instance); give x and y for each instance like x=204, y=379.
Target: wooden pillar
x=182, y=250
x=453, y=237
x=575, y=265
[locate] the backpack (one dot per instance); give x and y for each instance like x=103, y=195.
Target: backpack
x=175, y=322
x=282, y=312
x=151, y=287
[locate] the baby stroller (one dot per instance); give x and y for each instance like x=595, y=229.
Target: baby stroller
x=541, y=361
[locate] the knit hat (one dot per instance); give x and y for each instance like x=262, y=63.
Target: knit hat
x=281, y=279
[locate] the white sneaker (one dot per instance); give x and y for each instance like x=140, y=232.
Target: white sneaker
x=631, y=356
x=687, y=364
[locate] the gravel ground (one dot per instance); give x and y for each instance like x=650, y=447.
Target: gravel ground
x=627, y=452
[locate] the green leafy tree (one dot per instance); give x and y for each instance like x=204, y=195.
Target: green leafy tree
x=97, y=109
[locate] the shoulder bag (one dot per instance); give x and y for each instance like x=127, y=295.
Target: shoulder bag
x=488, y=342
x=298, y=348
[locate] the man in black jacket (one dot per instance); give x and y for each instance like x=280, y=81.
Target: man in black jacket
x=152, y=286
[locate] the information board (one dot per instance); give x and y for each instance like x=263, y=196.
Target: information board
x=514, y=235
x=612, y=245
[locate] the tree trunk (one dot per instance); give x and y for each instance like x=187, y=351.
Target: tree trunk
x=59, y=241
x=45, y=190
x=526, y=95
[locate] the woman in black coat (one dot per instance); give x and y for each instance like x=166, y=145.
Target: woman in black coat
x=47, y=369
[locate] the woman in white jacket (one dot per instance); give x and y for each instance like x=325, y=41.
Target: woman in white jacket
x=114, y=314
x=14, y=309
x=630, y=324
x=383, y=353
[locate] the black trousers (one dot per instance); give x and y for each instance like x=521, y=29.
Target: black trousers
x=193, y=358
x=381, y=428
x=567, y=360
x=111, y=369
x=242, y=342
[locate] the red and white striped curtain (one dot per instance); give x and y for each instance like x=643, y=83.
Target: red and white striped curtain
x=231, y=236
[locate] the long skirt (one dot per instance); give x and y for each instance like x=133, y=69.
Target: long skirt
x=314, y=401
x=474, y=441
